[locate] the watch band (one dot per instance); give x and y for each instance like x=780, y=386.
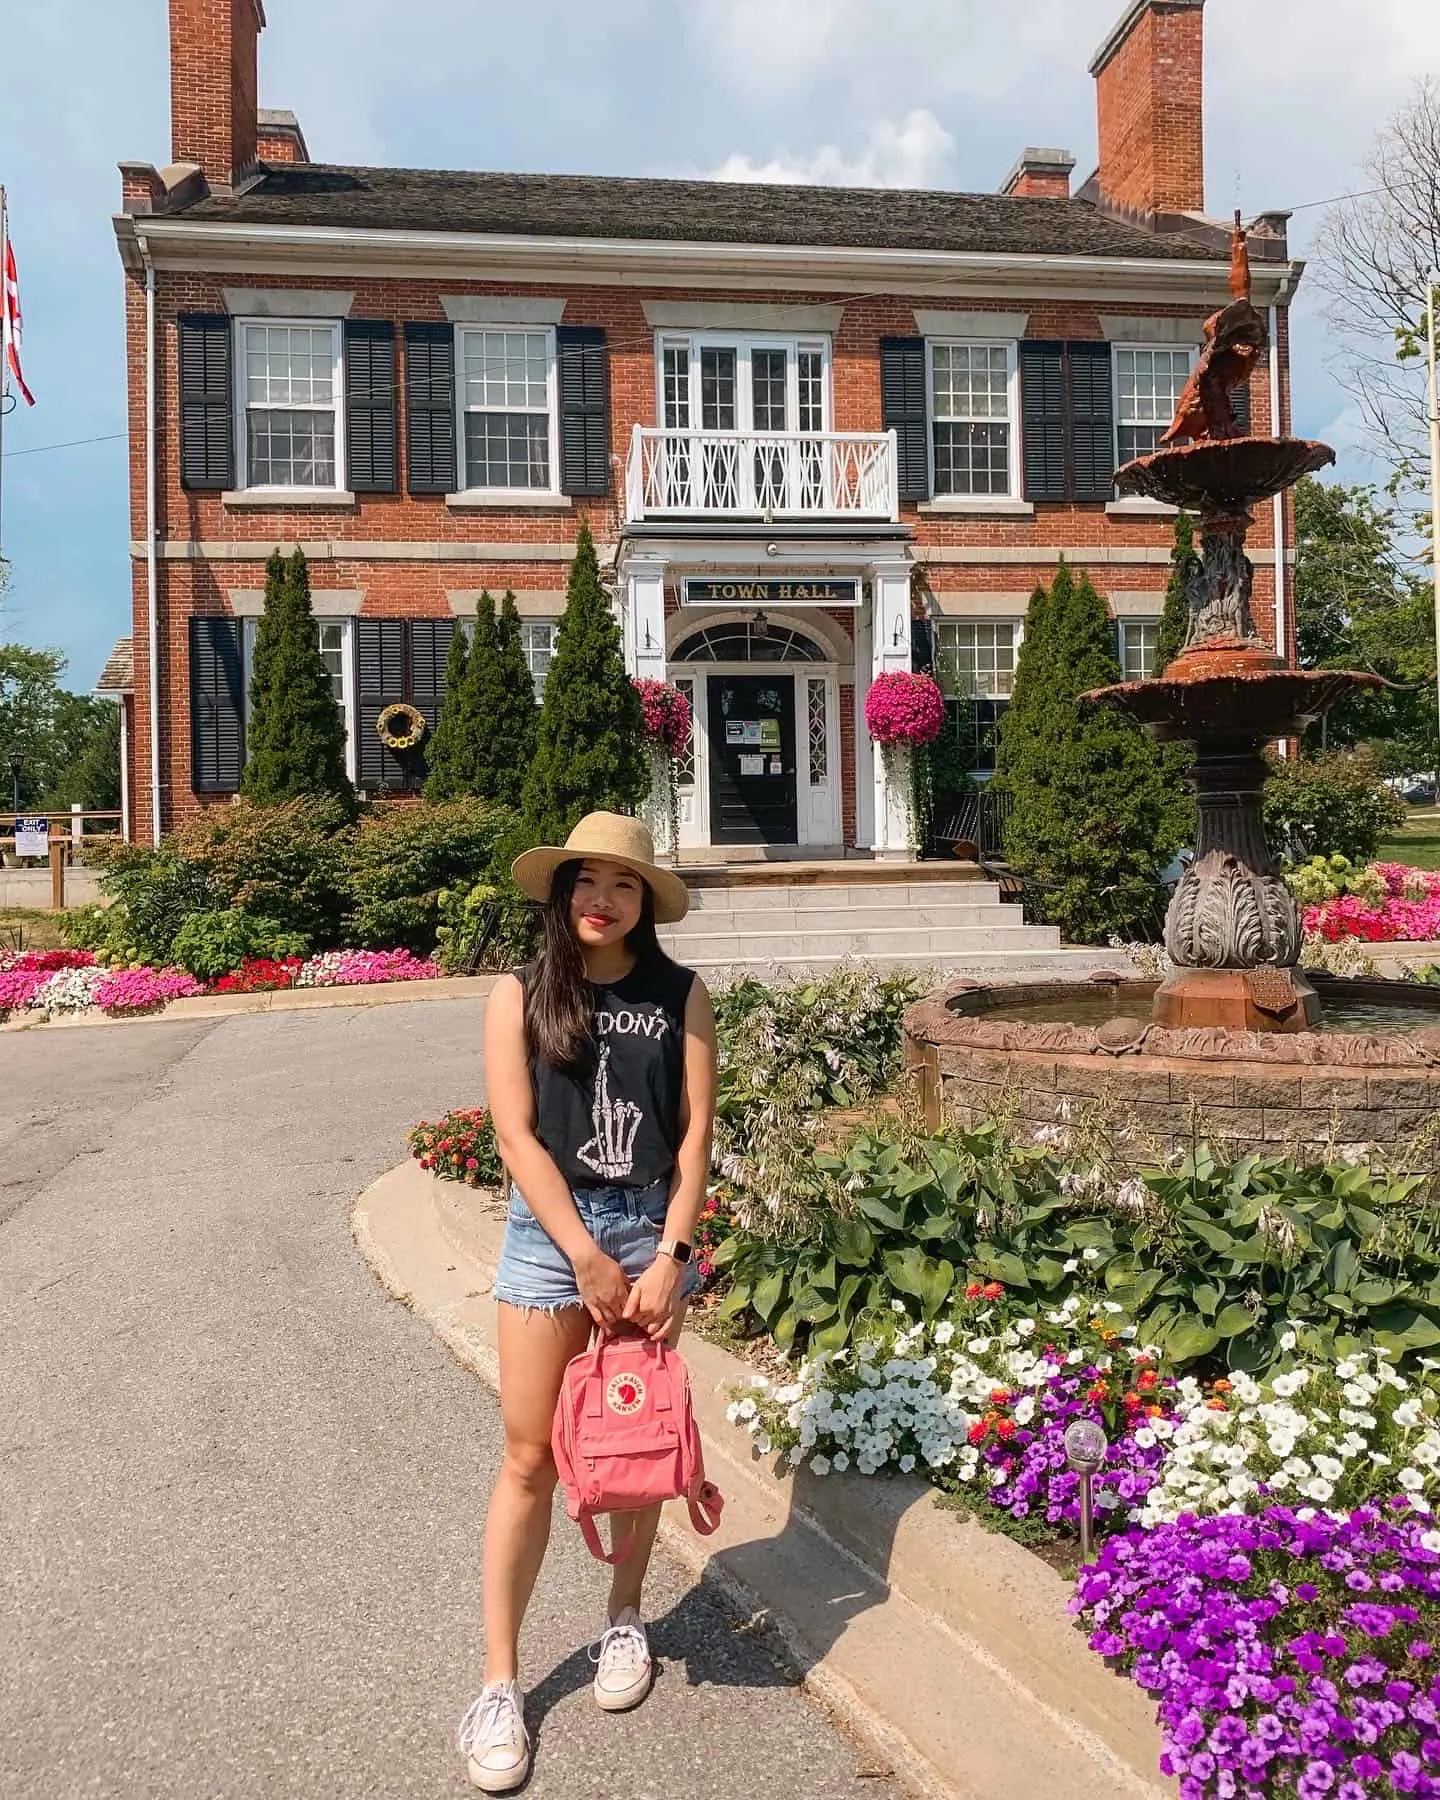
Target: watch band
x=676, y=1249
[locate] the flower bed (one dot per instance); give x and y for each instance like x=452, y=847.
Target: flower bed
x=355, y=968
x=1379, y=903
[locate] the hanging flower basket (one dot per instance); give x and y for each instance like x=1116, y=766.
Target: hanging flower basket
x=902, y=708
x=402, y=726
x=667, y=738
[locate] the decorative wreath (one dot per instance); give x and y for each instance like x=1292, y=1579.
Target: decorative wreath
x=402, y=726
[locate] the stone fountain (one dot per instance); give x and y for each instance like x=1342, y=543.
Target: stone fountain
x=1235, y=1028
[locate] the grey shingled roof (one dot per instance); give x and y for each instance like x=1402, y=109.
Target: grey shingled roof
x=118, y=675
x=718, y=212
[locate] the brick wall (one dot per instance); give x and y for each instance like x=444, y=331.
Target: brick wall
x=214, y=97
x=1150, y=102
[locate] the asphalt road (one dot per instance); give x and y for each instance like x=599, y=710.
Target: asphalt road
x=241, y=1491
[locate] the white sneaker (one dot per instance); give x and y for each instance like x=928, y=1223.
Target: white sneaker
x=624, y=1671
x=493, y=1740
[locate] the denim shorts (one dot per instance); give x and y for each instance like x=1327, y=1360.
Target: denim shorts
x=626, y=1223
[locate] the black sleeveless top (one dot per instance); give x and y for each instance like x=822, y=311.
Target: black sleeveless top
x=619, y=1124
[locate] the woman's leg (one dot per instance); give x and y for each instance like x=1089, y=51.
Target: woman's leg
x=638, y=1528
x=534, y=1349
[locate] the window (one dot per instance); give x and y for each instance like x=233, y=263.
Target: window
x=973, y=434
x=685, y=762
x=336, y=655
x=1148, y=385
x=975, y=658
x=290, y=387
x=537, y=636
x=507, y=403
x=1139, y=639
x=748, y=641
x=743, y=384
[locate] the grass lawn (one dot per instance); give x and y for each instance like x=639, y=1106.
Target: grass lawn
x=23, y=928
x=1418, y=843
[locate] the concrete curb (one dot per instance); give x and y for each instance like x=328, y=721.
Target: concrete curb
x=225, y=1006
x=947, y=1648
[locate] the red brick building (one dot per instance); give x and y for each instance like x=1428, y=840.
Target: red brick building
x=818, y=433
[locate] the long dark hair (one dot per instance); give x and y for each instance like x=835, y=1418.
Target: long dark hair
x=559, y=1008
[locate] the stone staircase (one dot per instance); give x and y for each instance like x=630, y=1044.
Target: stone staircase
x=747, y=920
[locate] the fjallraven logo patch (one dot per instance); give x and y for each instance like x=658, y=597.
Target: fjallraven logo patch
x=625, y=1394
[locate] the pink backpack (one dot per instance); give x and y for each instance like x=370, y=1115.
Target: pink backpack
x=625, y=1436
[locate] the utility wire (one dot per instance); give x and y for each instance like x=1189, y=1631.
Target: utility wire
x=110, y=437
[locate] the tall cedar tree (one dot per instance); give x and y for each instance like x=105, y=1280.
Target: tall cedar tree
x=449, y=754
x=1175, y=620
x=296, y=733
x=507, y=713
x=589, y=747
x=1093, y=820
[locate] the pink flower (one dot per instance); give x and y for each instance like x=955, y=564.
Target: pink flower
x=667, y=714
x=144, y=990
x=902, y=708
x=357, y=968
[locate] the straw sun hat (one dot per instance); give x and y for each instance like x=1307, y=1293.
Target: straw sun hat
x=613, y=838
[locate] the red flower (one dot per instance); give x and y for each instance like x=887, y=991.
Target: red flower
x=1147, y=1380
x=992, y=1290
x=1000, y=1397
x=974, y=1291
x=1099, y=1391
x=977, y=1432
x=1005, y=1428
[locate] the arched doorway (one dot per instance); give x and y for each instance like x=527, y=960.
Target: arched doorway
x=764, y=768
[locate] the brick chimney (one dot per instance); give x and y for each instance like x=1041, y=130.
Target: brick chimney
x=1040, y=175
x=1149, y=89
x=279, y=138
x=214, y=85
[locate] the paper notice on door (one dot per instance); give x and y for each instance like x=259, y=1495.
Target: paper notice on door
x=769, y=734
x=734, y=731
x=777, y=765
x=752, y=765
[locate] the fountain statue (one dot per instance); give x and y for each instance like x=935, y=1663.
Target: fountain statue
x=1235, y=1032
x=1232, y=930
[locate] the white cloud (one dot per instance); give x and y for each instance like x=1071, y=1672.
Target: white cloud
x=915, y=153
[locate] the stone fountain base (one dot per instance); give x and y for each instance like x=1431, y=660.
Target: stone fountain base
x=1264, y=1090
x=1264, y=999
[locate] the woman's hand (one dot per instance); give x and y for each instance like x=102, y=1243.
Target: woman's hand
x=603, y=1287
x=656, y=1298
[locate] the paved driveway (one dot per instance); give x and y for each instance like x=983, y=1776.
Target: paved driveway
x=241, y=1491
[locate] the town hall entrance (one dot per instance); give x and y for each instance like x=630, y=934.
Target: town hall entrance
x=753, y=786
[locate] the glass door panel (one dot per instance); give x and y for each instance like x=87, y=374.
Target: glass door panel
x=769, y=398
x=719, y=395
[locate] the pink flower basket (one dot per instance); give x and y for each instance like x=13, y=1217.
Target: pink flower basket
x=667, y=714
x=904, y=709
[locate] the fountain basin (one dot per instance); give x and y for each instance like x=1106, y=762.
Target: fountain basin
x=1226, y=475
x=1038, y=1051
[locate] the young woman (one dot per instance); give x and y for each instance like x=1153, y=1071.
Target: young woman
x=600, y=1071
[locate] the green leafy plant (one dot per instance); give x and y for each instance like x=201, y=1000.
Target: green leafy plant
x=484, y=926
x=285, y=862
x=459, y=1146
x=150, y=893
x=1335, y=805
x=403, y=857
x=450, y=752
x=212, y=944
x=295, y=738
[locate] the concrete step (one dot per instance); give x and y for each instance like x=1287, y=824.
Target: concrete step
x=805, y=916
x=938, y=968
x=843, y=897
x=801, y=946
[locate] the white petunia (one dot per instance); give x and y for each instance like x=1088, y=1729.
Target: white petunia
x=764, y=1444
x=840, y=1462
x=907, y=1463
x=820, y=1465
x=944, y=1331
x=1319, y=1490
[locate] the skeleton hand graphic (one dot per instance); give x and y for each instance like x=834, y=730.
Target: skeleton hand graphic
x=611, y=1152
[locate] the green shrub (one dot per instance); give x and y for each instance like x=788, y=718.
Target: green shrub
x=1335, y=805
x=403, y=857
x=486, y=926
x=211, y=944
x=150, y=893
x=295, y=737
x=285, y=862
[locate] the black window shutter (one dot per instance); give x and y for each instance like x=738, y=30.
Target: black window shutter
x=217, y=706
x=207, y=402
x=584, y=384
x=430, y=461
x=1092, y=422
x=429, y=648
x=371, y=454
x=379, y=682
x=1240, y=400
x=1042, y=420
x=904, y=410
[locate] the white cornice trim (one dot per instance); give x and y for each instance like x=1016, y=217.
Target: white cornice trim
x=288, y=303
x=496, y=309
x=317, y=249
x=740, y=315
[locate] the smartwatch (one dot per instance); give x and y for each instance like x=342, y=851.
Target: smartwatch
x=676, y=1249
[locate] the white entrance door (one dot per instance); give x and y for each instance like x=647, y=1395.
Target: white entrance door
x=817, y=724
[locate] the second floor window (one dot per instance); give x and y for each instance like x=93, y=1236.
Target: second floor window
x=709, y=383
x=507, y=400
x=1148, y=384
x=972, y=400
x=290, y=387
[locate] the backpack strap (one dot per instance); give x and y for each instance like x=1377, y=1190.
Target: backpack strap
x=706, y=1505
x=591, y=1536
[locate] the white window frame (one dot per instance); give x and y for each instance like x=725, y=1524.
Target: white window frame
x=538, y=679
x=1188, y=350
x=1017, y=629
x=1126, y=626
x=241, y=387
x=744, y=343
x=552, y=401
x=250, y=630
x=1012, y=417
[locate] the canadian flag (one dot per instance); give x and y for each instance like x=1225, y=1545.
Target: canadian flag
x=11, y=331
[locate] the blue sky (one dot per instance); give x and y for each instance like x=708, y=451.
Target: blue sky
x=940, y=93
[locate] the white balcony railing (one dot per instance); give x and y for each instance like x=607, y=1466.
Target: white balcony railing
x=761, y=475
